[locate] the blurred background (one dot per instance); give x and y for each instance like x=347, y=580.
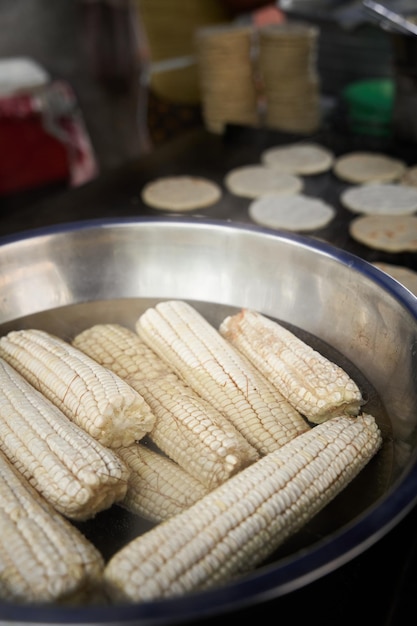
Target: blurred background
x=87, y=85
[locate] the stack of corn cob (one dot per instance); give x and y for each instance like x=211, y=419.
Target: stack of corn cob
x=188, y=428
x=233, y=438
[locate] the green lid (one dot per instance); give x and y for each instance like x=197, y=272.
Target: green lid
x=370, y=105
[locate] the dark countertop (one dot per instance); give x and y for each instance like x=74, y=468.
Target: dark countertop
x=378, y=586
x=117, y=193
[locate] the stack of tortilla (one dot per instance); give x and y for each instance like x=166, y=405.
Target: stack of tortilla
x=228, y=90
x=288, y=72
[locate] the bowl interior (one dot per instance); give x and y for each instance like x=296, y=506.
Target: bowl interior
x=66, y=279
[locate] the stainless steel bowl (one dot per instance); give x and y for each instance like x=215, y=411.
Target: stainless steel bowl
x=68, y=277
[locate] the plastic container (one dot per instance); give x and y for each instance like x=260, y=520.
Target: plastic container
x=369, y=106
x=31, y=156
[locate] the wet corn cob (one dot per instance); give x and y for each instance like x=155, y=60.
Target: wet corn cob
x=187, y=429
x=89, y=394
x=315, y=386
x=43, y=557
x=71, y=470
x=220, y=374
x=238, y=525
x=158, y=488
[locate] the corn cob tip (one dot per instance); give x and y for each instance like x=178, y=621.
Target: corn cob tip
x=89, y=394
x=315, y=386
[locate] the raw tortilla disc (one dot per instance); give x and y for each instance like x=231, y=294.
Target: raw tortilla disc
x=367, y=167
x=297, y=212
x=404, y=275
x=253, y=181
x=380, y=199
x=299, y=158
x=410, y=176
x=391, y=233
x=180, y=193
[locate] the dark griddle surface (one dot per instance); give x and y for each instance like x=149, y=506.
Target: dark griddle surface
x=117, y=194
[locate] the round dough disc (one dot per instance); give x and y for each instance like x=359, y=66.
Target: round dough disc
x=296, y=213
x=380, y=199
x=253, y=181
x=366, y=167
x=180, y=193
x=299, y=158
x=391, y=233
x=410, y=176
x=404, y=275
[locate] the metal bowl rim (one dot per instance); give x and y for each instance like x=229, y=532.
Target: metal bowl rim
x=273, y=580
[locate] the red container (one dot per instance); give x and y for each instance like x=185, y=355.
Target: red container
x=30, y=155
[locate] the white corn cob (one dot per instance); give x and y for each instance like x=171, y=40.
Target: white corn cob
x=239, y=524
x=71, y=470
x=89, y=394
x=158, y=488
x=315, y=386
x=43, y=557
x=187, y=429
x=220, y=374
